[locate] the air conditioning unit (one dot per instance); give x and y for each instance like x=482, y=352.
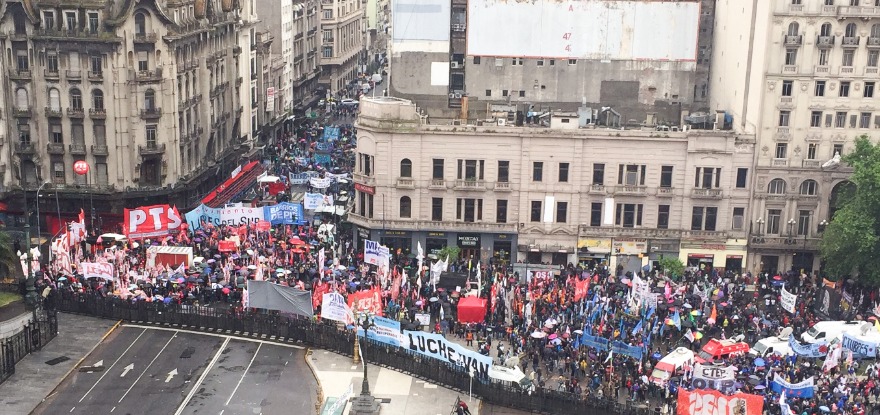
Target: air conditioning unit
x=455, y=65
x=502, y=122
x=458, y=95
x=456, y=122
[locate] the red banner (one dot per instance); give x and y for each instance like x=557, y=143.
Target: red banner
x=226, y=246
x=151, y=221
x=318, y=293
x=264, y=226
x=580, y=289
x=712, y=402
x=369, y=301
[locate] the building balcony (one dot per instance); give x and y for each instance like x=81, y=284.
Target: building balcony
x=793, y=40
x=100, y=150
x=502, y=187
x=847, y=70
x=824, y=42
x=437, y=184
x=154, y=75
x=786, y=103
x=145, y=38
x=811, y=164
x=665, y=192
x=446, y=225
x=821, y=70
x=828, y=10
x=75, y=35
x=871, y=70
x=788, y=243
x=97, y=113
x=703, y=193
x=364, y=179
x=779, y=163
x=20, y=74
x=631, y=190
x=21, y=112
x=76, y=112
x=51, y=75
x=653, y=233
x=53, y=112
x=151, y=113
x=96, y=76
x=152, y=149
x=790, y=69
x=77, y=149
x=858, y=11
x=55, y=149
x=850, y=42
x=73, y=75
x=17, y=37
x=25, y=148
x=470, y=185
x=406, y=183
x=597, y=188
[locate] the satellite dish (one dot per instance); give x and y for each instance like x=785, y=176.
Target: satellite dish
x=833, y=163
x=865, y=328
x=785, y=333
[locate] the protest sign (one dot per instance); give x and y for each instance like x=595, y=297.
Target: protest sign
x=284, y=213
x=366, y=301
x=151, y=221
x=710, y=402
x=384, y=330
x=101, y=270
x=812, y=350
x=435, y=346
x=333, y=307
x=319, y=183
x=803, y=389
x=718, y=378
x=373, y=253
x=788, y=300
x=861, y=348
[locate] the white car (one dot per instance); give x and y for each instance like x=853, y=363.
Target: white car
x=831, y=330
x=773, y=345
x=349, y=101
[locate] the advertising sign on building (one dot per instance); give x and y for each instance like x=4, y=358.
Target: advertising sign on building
x=270, y=99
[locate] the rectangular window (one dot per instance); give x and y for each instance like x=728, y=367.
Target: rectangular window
x=707, y=177
x=469, y=210
x=471, y=169
x=816, y=119
x=791, y=56
x=666, y=176
x=812, y=150
x=840, y=119
x=476, y=60
x=58, y=172
x=631, y=174
x=437, y=169
x=829, y=120
x=848, y=57
x=101, y=172
x=773, y=216
x=663, y=217
x=599, y=173
x=97, y=63
x=561, y=212
x=596, y=214
x=49, y=20
x=787, y=86
x=503, y=171
x=739, y=214
x=501, y=211
x=488, y=92
x=742, y=176
x=93, y=22
x=781, y=150
x=844, y=88
x=697, y=218
x=823, y=57
x=838, y=149
x=55, y=131
x=873, y=58
x=151, y=136
x=437, y=209
x=70, y=19
x=868, y=90
x=537, y=171
x=784, y=118
x=563, y=172
x=804, y=222
x=865, y=120
x=820, y=88
x=535, y=213
x=853, y=118
x=628, y=215
x=78, y=135
x=52, y=62
x=711, y=218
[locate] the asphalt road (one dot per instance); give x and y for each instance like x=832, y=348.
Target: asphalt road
x=167, y=371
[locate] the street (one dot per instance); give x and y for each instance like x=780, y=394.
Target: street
x=166, y=371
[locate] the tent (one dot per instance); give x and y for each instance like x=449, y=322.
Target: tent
x=471, y=310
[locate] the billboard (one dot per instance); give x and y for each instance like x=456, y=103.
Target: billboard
x=602, y=29
x=425, y=20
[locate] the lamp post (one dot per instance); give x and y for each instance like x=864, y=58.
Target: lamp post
x=30, y=297
x=81, y=167
x=39, y=231
x=364, y=404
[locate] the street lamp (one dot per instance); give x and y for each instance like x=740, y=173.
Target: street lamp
x=822, y=226
x=39, y=232
x=30, y=297
x=364, y=404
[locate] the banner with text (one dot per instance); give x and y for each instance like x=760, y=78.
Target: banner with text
x=101, y=270
x=366, y=301
x=718, y=378
x=434, y=345
x=788, y=300
x=710, y=402
x=862, y=349
x=333, y=307
x=151, y=221
x=812, y=350
x=384, y=330
x=312, y=201
x=802, y=389
x=285, y=213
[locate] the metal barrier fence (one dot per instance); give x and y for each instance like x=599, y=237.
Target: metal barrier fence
x=328, y=337
x=32, y=337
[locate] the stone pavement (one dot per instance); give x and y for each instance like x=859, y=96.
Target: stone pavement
x=401, y=393
x=36, y=376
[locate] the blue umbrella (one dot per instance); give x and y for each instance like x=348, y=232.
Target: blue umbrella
x=759, y=362
x=824, y=408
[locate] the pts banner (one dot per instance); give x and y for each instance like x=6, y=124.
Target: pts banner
x=151, y=221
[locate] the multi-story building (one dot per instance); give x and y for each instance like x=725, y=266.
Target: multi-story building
x=802, y=76
x=342, y=42
x=294, y=25
x=149, y=93
x=551, y=195
x=646, y=60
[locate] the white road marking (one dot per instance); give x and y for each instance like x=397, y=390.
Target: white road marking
x=198, y=383
x=222, y=336
x=147, y=368
x=127, y=369
x=99, y=364
x=114, y=364
x=243, y=375
x=171, y=374
x=71, y=409
x=114, y=408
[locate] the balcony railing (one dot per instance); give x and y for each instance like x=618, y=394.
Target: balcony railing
x=850, y=42
x=665, y=191
x=53, y=112
x=406, y=182
x=154, y=75
x=470, y=185
x=151, y=113
x=51, y=74
x=151, y=149
x=98, y=113
x=437, y=184
x=21, y=112
x=631, y=190
x=25, y=148
x=145, y=38
x=597, y=188
x=858, y=11
x=55, y=148
x=871, y=70
x=502, y=186
x=96, y=76
x=789, y=69
x=20, y=74
x=76, y=112
x=821, y=69
x=100, y=150
x=73, y=74
x=706, y=193
x=780, y=162
x=824, y=41
x=811, y=164
x=76, y=35
x=78, y=149
x=793, y=40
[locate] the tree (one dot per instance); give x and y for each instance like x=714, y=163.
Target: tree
x=850, y=243
x=9, y=261
x=451, y=251
x=671, y=266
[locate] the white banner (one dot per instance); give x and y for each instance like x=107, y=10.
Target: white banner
x=333, y=307
x=722, y=379
x=241, y=215
x=860, y=348
x=434, y=345
x=788, y=301
x=372, y=253
x=319, y=183
x=312, y=201
x=101, y=270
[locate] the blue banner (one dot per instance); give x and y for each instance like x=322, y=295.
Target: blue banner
x=862, y=349
x=385, y=330
x=322, y=159
x=812, y=350
x=803, y=389
x=325, y=147
x=285, y=213
x=330, y=134
x=634, y=352
x=598, y=343
x=202, y=213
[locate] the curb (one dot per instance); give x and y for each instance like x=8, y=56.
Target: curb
x=78, y=363
x=320, y=403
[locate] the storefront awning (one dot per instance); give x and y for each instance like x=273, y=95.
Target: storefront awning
x=234, y=186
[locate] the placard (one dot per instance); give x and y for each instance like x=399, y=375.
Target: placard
x=366, y=301
x=718, y=378
x=285, y=213
x=788, y=300
x=333, y=307
x=803, y=389
x=372, y=253
x=101, y=270
x=710, y=402
x=384, y=330
x=319, y=183
x=861, y=348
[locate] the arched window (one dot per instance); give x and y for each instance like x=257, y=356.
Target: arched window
x=54, y=99
x=150, y=99
x=405, y=207
x=98, y=99
x=809, y=188
x=825, y=29
x=776, y=187
x=850, y=30
x=793, y=29
x=140, y=24
x=21, y=99
x=76, y=99
x=405, y=168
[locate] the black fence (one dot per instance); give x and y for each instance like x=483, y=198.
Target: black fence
x=32, y=337
x=328, y=337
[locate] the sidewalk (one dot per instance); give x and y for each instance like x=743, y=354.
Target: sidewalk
x=401, y=393
x=35, y=377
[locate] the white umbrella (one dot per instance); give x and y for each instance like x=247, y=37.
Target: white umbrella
x=539, y=334
x=269, y=179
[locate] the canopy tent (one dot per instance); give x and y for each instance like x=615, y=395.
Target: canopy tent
x=471, y=310
x=169, y=256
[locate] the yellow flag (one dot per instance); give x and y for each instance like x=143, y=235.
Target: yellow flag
x=877, y=324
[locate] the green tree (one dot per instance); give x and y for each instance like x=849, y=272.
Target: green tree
x=8, y=258
x=451, y=251
x=672, y=266
x=850, y=243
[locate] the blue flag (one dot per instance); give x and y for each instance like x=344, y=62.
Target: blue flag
x=637, y=328
x=676, y=319
x=622, y=331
